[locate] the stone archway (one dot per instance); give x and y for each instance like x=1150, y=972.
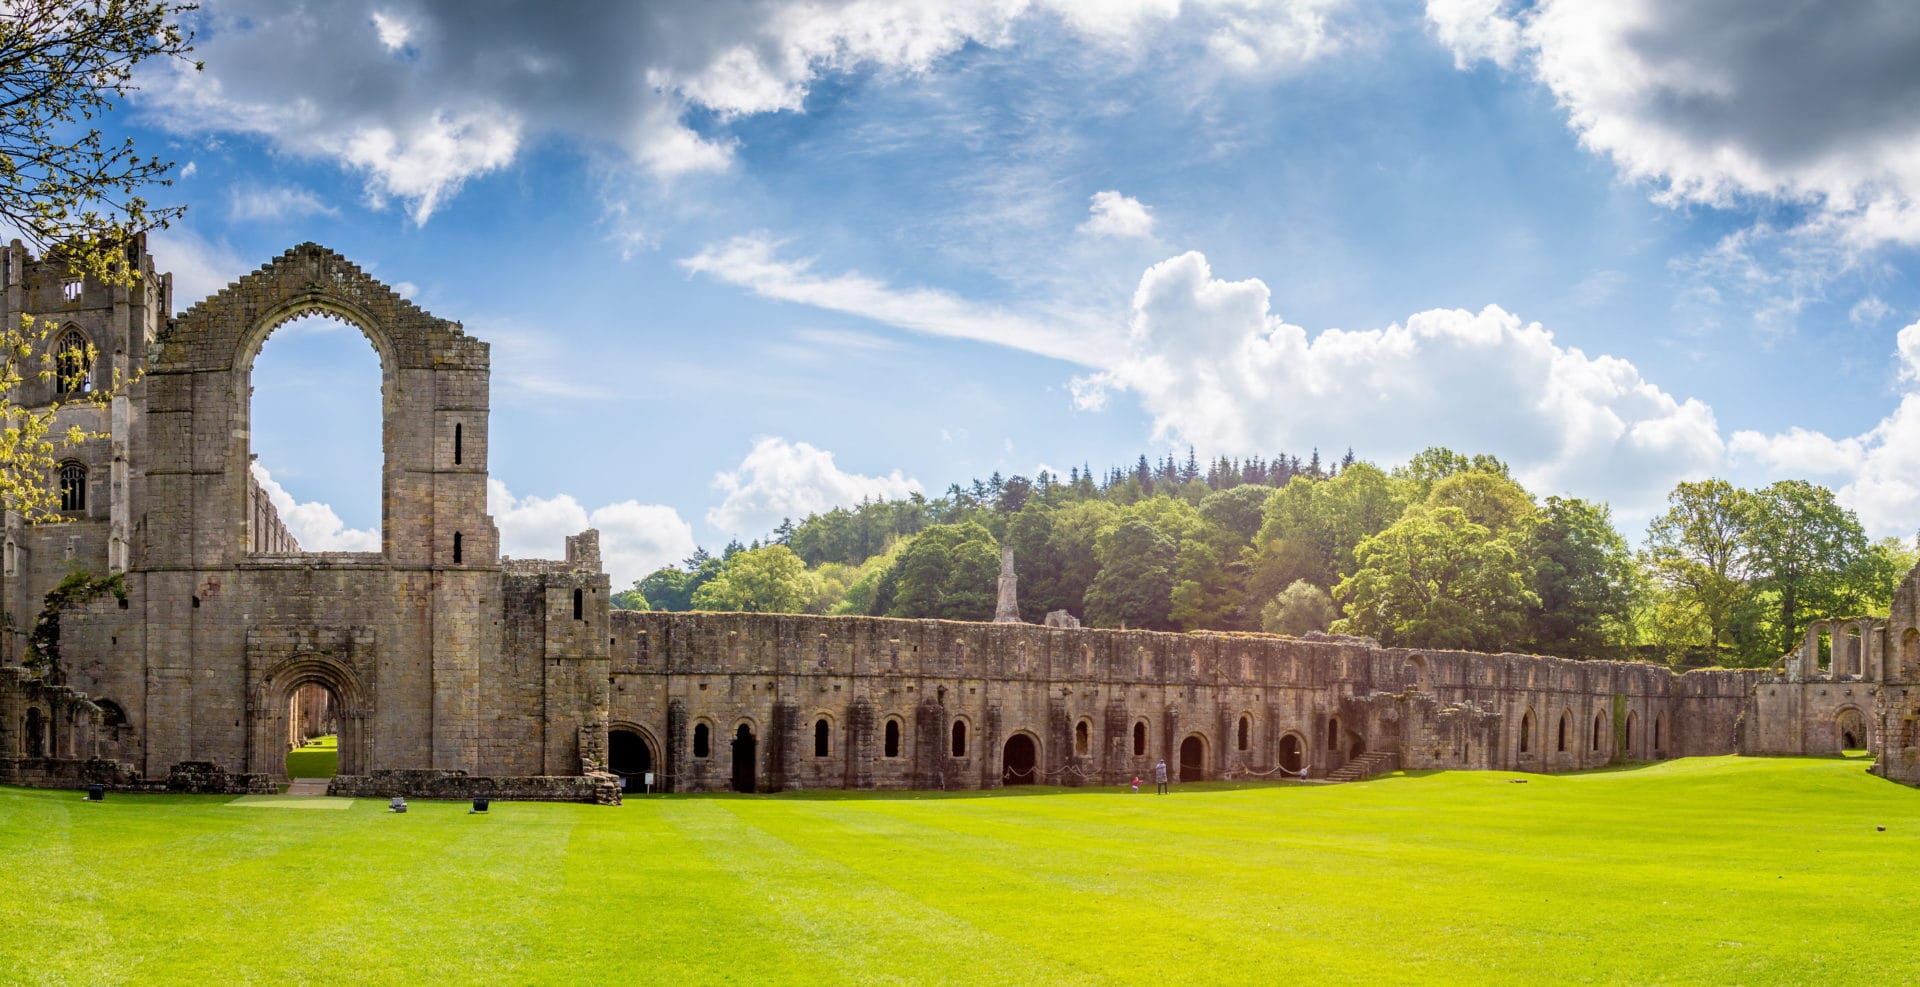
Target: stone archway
x=1293, y=753
x=746, y=759
x=273, y=703
x=1850, y=729
x=631, y=755
x=1193, y=758
x=1020, y=761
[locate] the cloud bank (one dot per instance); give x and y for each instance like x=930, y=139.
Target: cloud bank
x=420, y=96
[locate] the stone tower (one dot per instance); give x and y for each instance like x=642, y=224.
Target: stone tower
x=1008, y=611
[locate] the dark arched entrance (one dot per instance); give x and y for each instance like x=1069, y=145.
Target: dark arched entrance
x=1293, y=755
x=745, y=757
x=1852, y=728
x=1193, y=759
x=1020, y=761
x=631, y=757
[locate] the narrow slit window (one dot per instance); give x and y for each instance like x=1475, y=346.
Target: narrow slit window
x=1246, y=732
x=457, y=548
x=456, y=443
x=893, y=738
x=579, y=605
x=702, y=742
x=960, y=738
x=822, y=738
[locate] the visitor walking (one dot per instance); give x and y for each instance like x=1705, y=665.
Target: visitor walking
x=1136, y=784
x=1160, y=777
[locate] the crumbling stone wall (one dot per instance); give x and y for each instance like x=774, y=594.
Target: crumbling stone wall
x=781, y=675
x=451, y=670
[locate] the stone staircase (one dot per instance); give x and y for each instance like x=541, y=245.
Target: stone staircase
x=1366, y=766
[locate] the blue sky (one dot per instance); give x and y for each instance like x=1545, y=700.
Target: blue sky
x=740, y=260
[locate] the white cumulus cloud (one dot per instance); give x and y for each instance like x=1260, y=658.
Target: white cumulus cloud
x=271, y=204
x=781, y=479
x=1113, y=214
x=635, y=538
x=1722, y=100
x=1215, y=367
x=314, y=525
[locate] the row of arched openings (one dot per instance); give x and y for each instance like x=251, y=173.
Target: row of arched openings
x=1597, y=738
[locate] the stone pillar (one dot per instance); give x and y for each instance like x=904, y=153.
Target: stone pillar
x=1117, y=735
x=784, y=736
x=860, y=752
x=929, y=746
x=1008, y=609
x=674, y=759
x=1059, y=752
x=990, y=753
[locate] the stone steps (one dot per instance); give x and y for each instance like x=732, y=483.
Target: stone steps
x=1366, y=766
x=308, y=786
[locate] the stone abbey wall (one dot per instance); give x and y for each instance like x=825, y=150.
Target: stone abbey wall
x=816, y=696
x=451, y=670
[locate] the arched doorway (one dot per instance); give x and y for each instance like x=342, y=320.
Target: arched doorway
x=1193, y=758
x=1633, y=725
x=1293, y=754
x=306, y=696
x=36, y=734
x=1851, y=729
x=745, y=758
x=630, y=756
x=1020, y=761
x=313, y=731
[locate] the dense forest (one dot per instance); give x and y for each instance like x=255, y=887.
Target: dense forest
x=1447, y=551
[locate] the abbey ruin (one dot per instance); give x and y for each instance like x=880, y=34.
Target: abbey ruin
x=450, y=671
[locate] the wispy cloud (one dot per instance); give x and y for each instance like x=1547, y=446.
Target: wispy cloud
x=752, y=262
x=256, y=204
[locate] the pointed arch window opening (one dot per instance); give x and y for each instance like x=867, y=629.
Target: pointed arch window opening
x=73, y=362
x=73, y=486
x=314, y=394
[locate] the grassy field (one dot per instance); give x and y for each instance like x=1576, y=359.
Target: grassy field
x=1708, y=870
x=317, y=758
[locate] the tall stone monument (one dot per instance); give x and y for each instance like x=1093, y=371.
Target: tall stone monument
x=1008, y=612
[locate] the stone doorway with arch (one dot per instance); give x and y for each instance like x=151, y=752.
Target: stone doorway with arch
x=746, y=759
x=1193, y=758
x=1020, y=761
x=1293, y=754
x=632, y=755
x=1850, y=729
x=296, y=689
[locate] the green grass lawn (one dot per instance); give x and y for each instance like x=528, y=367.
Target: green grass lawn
x=1708, y=870
x=317, y=758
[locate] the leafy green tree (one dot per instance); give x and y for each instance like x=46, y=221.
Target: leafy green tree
x=1436, y=463
x=950, y=571
x=1488, y=499
x=1587, y=581
x=1299, y=609
x=672, y=587
x=630, y=599
x=1436, y=579
x=758, y=580
x=1804, y=548
x=1699, y=552
x=1074, y=547
x=1135, y=584
x=1310, y=528
x=1234, y=514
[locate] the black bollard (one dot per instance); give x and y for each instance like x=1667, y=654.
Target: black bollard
x=480, y=805
x=96, y=793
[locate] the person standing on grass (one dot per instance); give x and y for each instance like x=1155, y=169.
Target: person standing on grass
x=1136, y=784
x=1160, y=777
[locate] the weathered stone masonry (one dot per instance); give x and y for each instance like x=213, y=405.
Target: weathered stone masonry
x=451, y=671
